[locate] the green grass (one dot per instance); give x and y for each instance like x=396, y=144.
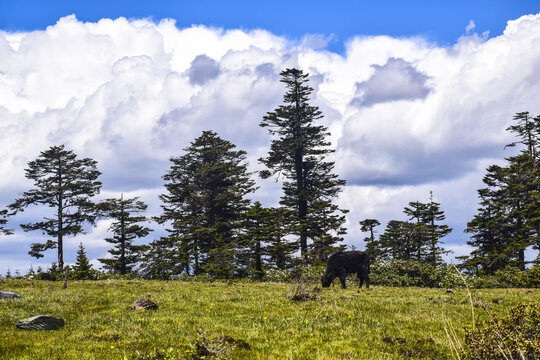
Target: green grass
x=243, y=320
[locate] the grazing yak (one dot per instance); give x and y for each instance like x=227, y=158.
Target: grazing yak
x=346, y=262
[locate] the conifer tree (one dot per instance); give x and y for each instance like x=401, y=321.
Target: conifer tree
x=126, y=227
x=298, y=152
x=280, y=249
x=398, y=241
x=434, y=231
x=372, y=247
x=82, y=268
x=263, y=241
x=508, y=220
x=65, y=183
x=3, y=222
x=161, y=259
x=205, y=200
x=417, y=239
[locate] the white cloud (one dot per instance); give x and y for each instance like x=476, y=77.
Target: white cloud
x=131, y=94
x=470, y=26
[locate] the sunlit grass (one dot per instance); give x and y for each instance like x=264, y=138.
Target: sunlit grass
x=242, y=321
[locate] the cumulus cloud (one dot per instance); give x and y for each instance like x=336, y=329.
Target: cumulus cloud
x=395, y=80
x=470, y=26
x=406, y=116
x=202, y=70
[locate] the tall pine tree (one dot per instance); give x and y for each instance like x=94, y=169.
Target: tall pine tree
x=298, y=152
x=205, y=200
x=3, y=222
x=417, y=239
x=82, y=268
x=65, y=183
x=507, y=222
x=372, y=248
x=434, y=231
x=126, y=227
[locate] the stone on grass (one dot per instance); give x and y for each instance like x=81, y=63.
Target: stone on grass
x=40, y=322
x=8, y=295
x=449, y=291
x=144, y=304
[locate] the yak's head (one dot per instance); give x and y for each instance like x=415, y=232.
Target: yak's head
x=326, y=280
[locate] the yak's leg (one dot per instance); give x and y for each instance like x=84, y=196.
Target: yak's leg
x=361, y=278
x=342, y=279
x=365, y=277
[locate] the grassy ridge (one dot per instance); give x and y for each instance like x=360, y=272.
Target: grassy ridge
x=242, y=321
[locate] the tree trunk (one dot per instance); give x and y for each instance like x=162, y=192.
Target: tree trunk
x=300, y=185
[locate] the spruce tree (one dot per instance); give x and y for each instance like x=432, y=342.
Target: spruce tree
x=3, y=222
x=66, y=184
x=398, y=241
x=417, y=239
x=416, y=213
x=204, y=203
x=508, y=221
x=264, y=241
x=126, y=227
x=298, y=152
x=372, y=247
x=161, y=260
x=434, y=231
x=82, y=268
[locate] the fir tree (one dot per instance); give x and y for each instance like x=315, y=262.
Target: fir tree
x=204, y=203
x=279, y=248
x=82, y=268
x=372, y=247
x=161, y=260
x=398, y=241
x=298, y=152
x=3, y=222
x=66, y=184
x=508, y=220
x=417, y=239
x=126, y=227
x=263, y=241
x=434, y=231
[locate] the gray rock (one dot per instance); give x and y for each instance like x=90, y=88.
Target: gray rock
x=449, y=291
x=144, y=304
x=8, y=295
x=40, y=322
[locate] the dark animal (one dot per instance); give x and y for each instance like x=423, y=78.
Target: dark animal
x=47, y=276
x=346, y=262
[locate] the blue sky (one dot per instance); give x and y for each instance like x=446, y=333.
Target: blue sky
x=416, y=96
x=439, y=21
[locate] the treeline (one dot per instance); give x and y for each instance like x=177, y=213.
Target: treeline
x=505, y=226
x=214, y=228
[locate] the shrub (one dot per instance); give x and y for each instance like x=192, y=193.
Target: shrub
x=509, y=277
x=414, y=273
x=303, y=273
x=516, y=336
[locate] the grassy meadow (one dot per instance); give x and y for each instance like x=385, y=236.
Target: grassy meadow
x=237, y=320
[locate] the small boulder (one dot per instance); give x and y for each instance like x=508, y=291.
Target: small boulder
x=8, y=295
x=47, y=276
x=449, y=291
x=144, y=304
x=40, y=322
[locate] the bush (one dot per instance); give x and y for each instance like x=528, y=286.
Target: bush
x=516, y=336
x=509, y=277
x=304, y=273
x=414, y=273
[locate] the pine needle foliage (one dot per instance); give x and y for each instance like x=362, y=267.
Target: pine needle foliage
x=298, y=153
x=65, y=183
x=126, y=227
